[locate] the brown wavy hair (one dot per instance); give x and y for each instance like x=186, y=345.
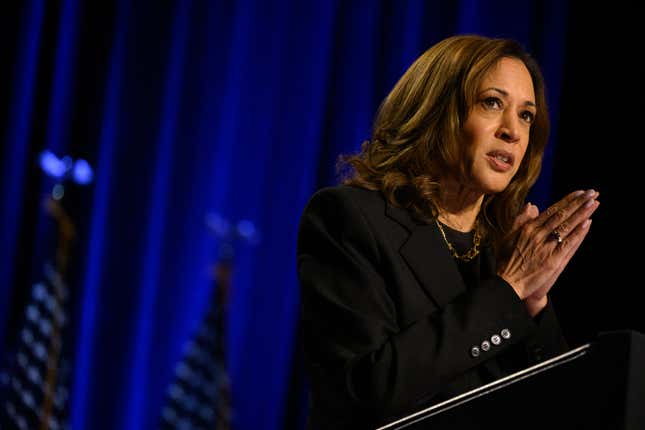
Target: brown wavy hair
x=416, y=135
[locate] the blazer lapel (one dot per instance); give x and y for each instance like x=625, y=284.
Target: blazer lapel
x=429, y=259
x=433, y=266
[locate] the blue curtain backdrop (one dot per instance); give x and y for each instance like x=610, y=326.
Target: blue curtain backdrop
x=185, y=108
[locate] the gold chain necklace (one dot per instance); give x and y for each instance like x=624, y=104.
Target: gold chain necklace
x=470, y=253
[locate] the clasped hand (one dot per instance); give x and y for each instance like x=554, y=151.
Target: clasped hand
x=540, y=245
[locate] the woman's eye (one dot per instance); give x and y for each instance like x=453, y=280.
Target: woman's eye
x=492, y=102
x=528, y=116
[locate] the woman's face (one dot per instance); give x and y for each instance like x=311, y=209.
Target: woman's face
x=497, y=127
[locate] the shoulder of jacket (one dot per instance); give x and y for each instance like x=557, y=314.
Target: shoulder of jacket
x=350, y=192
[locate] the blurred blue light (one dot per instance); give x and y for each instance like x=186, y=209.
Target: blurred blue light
x=246, y=230
x=82, y=172
x=52, y=165
x=217, y=224
x=64, y=168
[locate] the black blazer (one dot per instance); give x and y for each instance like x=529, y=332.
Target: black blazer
x=389, y=325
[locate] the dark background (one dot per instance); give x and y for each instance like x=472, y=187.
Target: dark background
x=240, y=108
x=598, y=146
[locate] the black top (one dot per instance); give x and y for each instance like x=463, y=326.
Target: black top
x=462, y=242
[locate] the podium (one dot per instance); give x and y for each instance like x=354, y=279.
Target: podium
x=599, y=385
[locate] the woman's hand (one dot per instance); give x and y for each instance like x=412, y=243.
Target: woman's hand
x=540, y=246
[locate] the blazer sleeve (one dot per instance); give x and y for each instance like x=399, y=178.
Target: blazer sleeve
x=359, y=357
x=547, y=340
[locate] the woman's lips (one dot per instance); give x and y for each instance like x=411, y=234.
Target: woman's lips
x=498, y=164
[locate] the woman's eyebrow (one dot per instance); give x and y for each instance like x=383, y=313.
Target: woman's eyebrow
x=505, y=94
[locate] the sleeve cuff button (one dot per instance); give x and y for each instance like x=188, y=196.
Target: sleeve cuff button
x=474, y=352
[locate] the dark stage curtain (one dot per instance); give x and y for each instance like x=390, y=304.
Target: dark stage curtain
x=192, y=110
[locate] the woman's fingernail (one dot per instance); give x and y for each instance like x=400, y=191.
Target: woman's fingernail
x=586, y=223
x=590, y=192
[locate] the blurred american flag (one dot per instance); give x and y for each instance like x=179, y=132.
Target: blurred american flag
x=35, y=381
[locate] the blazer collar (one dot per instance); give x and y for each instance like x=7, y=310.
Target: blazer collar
x=429, y=259
x=401, y=216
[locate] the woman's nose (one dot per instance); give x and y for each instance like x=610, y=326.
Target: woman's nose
x=508, y=129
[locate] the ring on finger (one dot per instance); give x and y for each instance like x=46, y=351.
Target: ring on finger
x=556, y=235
